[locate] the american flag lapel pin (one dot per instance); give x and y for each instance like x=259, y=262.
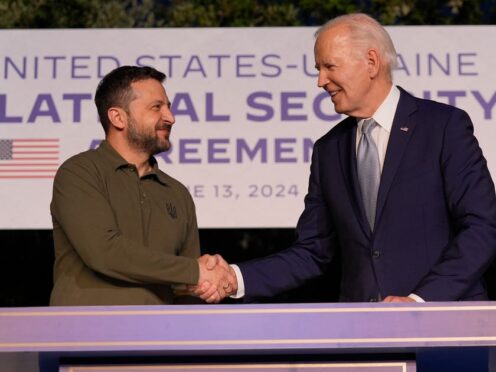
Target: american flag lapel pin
x=404, y=129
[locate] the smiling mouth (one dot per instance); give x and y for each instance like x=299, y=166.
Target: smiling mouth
x=164, y=127
x=333, y=94
x=163, y=132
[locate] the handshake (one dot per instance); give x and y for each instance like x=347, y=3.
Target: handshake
x=217, y=279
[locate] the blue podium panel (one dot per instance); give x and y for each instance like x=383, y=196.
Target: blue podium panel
x=344, y=332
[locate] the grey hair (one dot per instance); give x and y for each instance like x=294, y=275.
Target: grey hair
x=366, y=32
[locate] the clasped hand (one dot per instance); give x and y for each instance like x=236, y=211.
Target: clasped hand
x=217, y=279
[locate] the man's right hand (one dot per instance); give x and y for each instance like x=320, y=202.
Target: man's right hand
x=217, y=279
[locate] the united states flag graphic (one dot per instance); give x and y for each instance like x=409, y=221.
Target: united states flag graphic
x=29, y=158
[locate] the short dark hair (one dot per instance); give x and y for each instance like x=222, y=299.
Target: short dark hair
x=114, y=90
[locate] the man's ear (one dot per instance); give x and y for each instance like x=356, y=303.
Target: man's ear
x=373, y=63
x=117, y=117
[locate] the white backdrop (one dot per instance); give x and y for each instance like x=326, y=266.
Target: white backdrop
x=246, y=102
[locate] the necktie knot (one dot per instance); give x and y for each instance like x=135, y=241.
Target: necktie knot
x=368, y=125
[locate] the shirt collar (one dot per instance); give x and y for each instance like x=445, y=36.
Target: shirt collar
x=384, y=115
x=161, y=177
x=111, y=155
x=118, y=162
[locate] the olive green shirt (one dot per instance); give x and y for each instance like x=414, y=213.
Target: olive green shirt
x=120, y=239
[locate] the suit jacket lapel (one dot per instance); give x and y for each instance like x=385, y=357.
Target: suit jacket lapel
x=401, y=132
x=347, y=156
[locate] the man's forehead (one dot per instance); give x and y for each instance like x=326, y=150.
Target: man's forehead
x=146, y=83
x=333, y=40
x=335, y=34
x=148, y=87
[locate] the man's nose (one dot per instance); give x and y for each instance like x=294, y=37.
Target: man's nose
x=322, y=80
x=168, y=116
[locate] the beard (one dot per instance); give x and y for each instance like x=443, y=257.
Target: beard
x=147, y=140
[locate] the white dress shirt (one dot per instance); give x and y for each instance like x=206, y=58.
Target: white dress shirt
x=384, y=117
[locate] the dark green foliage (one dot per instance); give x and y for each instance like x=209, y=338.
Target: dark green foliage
x=77, y=13
x=235, y=13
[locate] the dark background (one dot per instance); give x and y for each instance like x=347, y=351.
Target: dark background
x=26, y=261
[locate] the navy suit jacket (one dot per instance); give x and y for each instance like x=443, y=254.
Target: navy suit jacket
x=435, y=227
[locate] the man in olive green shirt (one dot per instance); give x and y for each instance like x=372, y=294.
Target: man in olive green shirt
x=125, y=232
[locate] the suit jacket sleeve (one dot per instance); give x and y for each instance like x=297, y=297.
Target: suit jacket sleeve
x=306, y=258
x=470, y=197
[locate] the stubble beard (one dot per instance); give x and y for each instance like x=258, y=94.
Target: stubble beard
x=147, y=142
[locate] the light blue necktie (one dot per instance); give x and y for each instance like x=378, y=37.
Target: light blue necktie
x=369, y=174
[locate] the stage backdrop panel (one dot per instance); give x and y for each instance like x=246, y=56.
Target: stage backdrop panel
x=247, y=107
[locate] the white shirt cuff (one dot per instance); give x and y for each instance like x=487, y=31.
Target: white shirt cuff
x=241, y=284
x=413, y=296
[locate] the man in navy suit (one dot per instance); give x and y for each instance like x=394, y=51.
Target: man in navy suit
x=423, y=226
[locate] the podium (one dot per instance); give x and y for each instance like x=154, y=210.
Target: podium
x=277, y=337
